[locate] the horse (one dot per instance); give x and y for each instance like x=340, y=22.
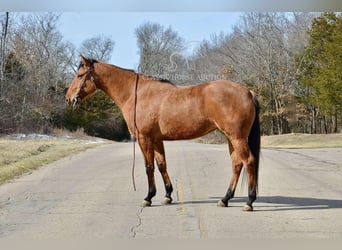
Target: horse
x=157, y=110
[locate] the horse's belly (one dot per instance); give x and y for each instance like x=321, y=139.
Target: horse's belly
x=181, y=129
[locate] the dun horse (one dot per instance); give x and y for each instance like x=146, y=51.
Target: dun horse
x=156, y=111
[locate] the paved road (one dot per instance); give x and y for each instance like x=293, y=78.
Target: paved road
x=90, y=195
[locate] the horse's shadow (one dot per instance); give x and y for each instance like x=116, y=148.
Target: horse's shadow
x=278, y=203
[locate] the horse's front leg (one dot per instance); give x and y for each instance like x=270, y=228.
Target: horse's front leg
x=147, y=149
x=159, y=154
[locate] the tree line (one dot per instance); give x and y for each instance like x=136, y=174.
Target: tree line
x=291, y=60
x=35, y=69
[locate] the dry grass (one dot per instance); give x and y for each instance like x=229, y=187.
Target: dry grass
x=285, y=141
x=21, y=156
x=78, y=134
x=302, y=141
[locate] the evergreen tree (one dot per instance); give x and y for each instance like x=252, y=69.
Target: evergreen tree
x=320, y=67
x=98, y=116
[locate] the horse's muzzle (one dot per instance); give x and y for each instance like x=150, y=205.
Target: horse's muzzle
x=74, y=102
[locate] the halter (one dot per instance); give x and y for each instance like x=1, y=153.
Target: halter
x=83, y=84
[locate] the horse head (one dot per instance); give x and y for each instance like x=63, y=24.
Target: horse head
x=84, y=83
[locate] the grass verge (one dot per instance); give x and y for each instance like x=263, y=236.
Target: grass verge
x=21, y=156
x=285, y=141
x=302, y=141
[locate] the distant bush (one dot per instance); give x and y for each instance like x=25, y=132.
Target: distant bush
x=98, y=116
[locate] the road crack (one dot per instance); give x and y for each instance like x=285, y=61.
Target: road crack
x=135, y=227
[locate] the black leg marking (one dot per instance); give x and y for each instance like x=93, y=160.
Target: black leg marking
x=251, y=197
x=151, y=185
x=151, y=193
x=169, y=189
x=228, y=196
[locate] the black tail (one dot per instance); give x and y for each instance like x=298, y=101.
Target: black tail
x=254, y=137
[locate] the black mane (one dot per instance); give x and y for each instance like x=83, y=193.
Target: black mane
x=159, y=79
x=130, y=70
x=163, y=80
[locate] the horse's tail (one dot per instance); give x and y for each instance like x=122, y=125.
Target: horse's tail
x=254, y=137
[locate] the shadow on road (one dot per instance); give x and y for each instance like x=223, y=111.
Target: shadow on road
x=281, y=203
x=278, y=203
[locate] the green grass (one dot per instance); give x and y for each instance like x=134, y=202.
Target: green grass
x=302, y=141
x=21, y=156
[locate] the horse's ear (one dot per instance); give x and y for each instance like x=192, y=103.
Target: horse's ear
x=84, y=60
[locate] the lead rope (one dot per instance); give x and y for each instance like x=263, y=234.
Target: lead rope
x=135, y=129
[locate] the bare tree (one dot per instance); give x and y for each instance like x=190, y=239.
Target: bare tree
x=160, y=50
x=260, y=52
x=35, y=68
x=3, y=45
x=37, y=46
x=4, y=25
x=98, y=47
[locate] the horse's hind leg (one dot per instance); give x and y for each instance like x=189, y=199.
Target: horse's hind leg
x=241, y=156
x=252, y=183
x=244, y=153
x=236, y=168
x=159, y=154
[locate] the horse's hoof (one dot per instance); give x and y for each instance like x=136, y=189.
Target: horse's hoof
x=167, y=200
x=247, y=208
x=146, y=203
x=221, y=204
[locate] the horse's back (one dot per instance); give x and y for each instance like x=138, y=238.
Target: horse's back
x=193, y=111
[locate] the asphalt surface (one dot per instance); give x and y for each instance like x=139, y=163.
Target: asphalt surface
x=90, y=195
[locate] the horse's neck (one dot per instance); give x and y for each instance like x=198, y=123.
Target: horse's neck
x=117, y=83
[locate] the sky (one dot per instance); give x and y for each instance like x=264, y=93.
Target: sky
x=174, y=5
x=120, y=27
x=194, y=20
